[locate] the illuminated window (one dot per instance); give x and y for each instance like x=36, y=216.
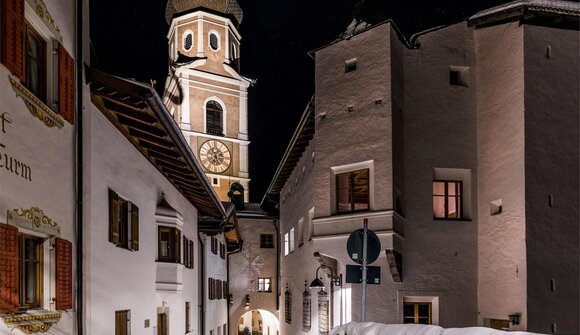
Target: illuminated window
x=169, y=247
x=447, y=199
x=352, y=191
x=286, y=244
x=291, y=240
x=264, y=285
x=30, y=273
x=417, y=312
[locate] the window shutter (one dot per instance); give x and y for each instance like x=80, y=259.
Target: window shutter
x=12, y=13
x=177, y=246
x=66, y=81
x=134, y=227
x=9, y=301
x=64, y=296
x=114, y=217
x=191, y=254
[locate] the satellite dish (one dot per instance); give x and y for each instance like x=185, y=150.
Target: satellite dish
x=354, y=246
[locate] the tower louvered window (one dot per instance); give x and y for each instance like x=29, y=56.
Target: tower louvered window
x=214, y=118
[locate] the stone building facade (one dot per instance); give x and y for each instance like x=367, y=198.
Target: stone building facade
x=455, y=145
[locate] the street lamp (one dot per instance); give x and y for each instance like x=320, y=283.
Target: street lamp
x=318, y=284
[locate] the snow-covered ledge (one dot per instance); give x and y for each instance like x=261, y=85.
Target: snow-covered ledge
x=372, y=328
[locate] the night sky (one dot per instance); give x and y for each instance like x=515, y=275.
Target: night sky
x=128, y=39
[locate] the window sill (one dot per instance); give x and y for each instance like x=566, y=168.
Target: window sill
x=264, y=291
x=453, y=220
x=32, y=321
x=36, y=107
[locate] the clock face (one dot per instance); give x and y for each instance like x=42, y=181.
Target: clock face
x=215, y=156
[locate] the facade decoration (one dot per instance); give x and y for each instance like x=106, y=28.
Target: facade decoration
x=40, y=8
x=33, y=323
x=288, y=305
x=34, y=219
x=306, y=308
x=36, y=107
x=323, y=320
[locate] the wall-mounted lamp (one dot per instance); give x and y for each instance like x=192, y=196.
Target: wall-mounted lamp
x=318, y=284
x=247, y=301
x=515, y=319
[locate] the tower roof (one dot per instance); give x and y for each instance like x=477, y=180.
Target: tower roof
x=227, y=7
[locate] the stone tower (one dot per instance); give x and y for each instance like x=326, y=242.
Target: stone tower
x=205, y=92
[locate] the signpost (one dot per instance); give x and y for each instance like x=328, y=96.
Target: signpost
x=364, y=247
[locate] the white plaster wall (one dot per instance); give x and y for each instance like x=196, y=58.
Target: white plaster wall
x=551, y=168
x=49, y=152
x=216, y=312
x=502, y=272
x=439, y=120
x=246, y=266
x=116, y=278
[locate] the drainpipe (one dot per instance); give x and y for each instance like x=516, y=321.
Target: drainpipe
x=202, y=281
x=228, y=277
x=79, y=165
x=277, y=297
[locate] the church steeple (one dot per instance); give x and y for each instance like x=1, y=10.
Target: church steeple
x=229, y=8
x=206, y=93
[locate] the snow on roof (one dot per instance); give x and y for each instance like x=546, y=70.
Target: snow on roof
x=559, y=6
x=372, y=328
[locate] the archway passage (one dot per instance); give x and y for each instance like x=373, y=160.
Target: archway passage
x=258, y=322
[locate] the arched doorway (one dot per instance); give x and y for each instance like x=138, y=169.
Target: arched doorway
x=258, y=322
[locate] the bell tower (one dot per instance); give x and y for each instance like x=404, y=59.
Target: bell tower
x=205, y=92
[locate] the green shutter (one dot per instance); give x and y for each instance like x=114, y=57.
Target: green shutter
x=134, y=227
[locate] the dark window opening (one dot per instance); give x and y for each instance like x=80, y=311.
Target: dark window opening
x=417, y=312
x=169, y=239
x=213, y=41
x=266, y=241
x=35, y=63
x=214, y=115
x=188, y=43
x=352, y=191
x=30, y=271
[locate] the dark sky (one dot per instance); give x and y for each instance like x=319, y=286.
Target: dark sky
x=129, y=40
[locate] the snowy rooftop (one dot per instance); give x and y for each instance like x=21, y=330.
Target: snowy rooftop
x=372, y=328
x=556, y=6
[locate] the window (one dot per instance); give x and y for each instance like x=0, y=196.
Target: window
x=23, y=260
x=417, y=312
x=35, y=63
x=291, y=240
x=214, y=115
x=187, y=40
x=459, y=76
x=286, y=244
x=350, y=65
x=30, y=271
x=264, y=284
x=187, y=253
x=169, y=244
x=352, y=191
x=288, y=306
x=122, y=322
x=187, y=316
x=123, y=222
x=447, y=199
x=233, y=52
x=32, y=52
x=266, y=241
x=214, y=41
x=214, y=245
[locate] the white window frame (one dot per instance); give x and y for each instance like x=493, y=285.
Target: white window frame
x=219, y=40
x=336, y=170
x=286, y=244
x=185, y=33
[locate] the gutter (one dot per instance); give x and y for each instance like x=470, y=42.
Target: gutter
x=79, y=158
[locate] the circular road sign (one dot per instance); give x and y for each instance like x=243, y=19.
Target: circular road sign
x=354, y=246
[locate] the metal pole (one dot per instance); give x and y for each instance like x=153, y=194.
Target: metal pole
x=364, y=272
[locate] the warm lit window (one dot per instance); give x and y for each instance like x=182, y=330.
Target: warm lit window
x=122, y=322
x=447, y=199
x=123, y=222
x=169, y=244
x=264, y=285
x=417, y=312
x=30, y=271
x=214, y=116
x=286, y=244
x=266, y=241
x=352, y=191
x=291, y=240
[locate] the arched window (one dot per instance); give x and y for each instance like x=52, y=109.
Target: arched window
x=214, y=118
x=213, y=41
